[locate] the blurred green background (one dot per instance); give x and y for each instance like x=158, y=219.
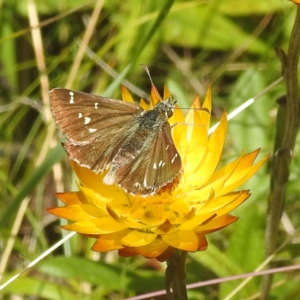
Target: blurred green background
x=187, y=45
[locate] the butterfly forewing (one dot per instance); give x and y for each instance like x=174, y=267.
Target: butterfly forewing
x=98, y=154
x=84, y=117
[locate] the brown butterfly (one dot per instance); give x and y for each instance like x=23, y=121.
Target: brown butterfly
x=134, y=144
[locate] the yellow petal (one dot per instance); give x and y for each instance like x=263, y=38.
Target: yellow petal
x=164, y=228
x=88, y=196
x=137, y=213
x=154, y=249
x=180, y=207
x=205, y=112
x=183, y=240
x=155, y=96
x=134, y=224
x=144, y=105
x=109, y=242
x=126, y=95
x=190, y=115
x=199, y=133
x=84, y=227
x=202, y=242
x=226, y=171
x=96, y=226
x=179, y=130
x=237, y=179
x=137, y=238
x=128, y=252
x=216, y=224
x=199, y=202
x=195, y=221
x=72, y=212
x=226, y=203
x=95, y=182
x=167, y=93
x=213, y=152
x=153, y=215
x=201, y=196
x=69, y=198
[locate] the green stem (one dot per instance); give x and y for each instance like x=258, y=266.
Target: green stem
x=288, y=121
x=175, y=276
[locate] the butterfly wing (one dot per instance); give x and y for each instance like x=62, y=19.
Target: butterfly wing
x=94, y=126
x=165, y=162
x=147, y=174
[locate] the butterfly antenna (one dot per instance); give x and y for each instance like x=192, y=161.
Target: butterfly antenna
x=151, y=81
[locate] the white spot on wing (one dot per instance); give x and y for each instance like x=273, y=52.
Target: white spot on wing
x=80, y=115
x=145, y=182
x=91, y=130
x=173, y=159
x=167, y=147
x=96, y=105
x=154, y=166
x=160, y=163
x=71, y=97
x=87, y=120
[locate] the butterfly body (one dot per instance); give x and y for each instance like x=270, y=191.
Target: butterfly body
x=134, y=144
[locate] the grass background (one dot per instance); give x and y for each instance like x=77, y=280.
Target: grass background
x=187, y=45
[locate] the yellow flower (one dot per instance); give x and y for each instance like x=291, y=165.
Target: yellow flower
x=178, y=217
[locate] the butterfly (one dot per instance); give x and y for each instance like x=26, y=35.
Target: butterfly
x=133, y=144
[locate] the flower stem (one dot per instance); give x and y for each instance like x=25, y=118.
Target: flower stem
x=175, y=276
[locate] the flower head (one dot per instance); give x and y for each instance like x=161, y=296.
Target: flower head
x=180, y=215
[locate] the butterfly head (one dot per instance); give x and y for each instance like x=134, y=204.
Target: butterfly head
x=166, y=107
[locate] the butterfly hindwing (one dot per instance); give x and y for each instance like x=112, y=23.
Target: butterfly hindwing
x=165, y=162
x=148, y=174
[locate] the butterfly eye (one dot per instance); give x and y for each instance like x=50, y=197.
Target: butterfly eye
x=169, y=112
